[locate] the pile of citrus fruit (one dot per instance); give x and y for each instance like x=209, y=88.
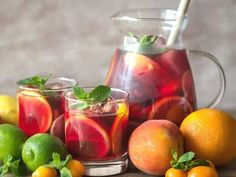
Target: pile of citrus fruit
x=207, y=133
x=42, y=154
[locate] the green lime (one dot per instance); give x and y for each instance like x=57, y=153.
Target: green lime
x=11, y=141
x=38, y=150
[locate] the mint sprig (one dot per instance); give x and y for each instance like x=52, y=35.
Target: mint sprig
x=35, y=81
x=98, y=94
x=60, y=165
x=13, y=166
x=185, y=161
x=144, y=40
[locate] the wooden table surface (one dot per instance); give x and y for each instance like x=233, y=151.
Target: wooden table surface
x=228, y=170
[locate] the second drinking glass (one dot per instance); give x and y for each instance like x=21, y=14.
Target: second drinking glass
x=41, y=104
x=96, y=132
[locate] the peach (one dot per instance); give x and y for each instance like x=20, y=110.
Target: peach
x=150, y=146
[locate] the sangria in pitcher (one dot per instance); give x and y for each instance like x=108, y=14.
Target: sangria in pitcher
x=157, y=76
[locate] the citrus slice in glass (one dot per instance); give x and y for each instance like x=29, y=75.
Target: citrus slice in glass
x=172, y=108
x=35, y=113
x=86, y=138
x=58, y=127
x=119, y=129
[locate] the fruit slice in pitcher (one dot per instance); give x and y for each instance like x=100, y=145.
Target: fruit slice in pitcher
x=35, y=113
x=119, y=128
x=145, y=76
x=86, y=138
x=188, y=87
x=139, y=63
x=173, y=108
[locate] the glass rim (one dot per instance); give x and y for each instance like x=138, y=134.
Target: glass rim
x=124, y=15
x=116, y=100
x=73, y=81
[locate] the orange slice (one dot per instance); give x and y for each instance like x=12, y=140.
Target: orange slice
x=173, y=108
x=58, y=127
x=86, y=139
x=35, y=113
x=139, y=63
x=119, y=129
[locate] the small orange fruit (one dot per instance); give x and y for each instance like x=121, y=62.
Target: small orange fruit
x=210, y=133
x=76, y=168
x=172, y=172
x=201, y=171
x=44, y=172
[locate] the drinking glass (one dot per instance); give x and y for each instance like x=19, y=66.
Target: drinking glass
x=97, y=135
x=42, y=111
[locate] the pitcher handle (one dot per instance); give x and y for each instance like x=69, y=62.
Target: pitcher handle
x=222, y=87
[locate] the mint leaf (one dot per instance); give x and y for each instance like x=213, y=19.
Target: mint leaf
x=35, y=81
x=198, y=162
x=144, y=40
x=147, y=39
x=179, y=166
x=7, y=159
x=100, y=93
x=9, y=165
x=130, y=34
x=80, y=105
x=68, y=158
x=64, y=172
x=3, y=171
x=174, y=155
x=56, y=159
x=57, y=163
x=186, y=157
x=80, y=93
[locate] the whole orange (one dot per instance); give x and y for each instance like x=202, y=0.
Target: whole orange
x=172, y=172
x=201, y=171
x=211, y=134
x=44, y=172
x=76, y=168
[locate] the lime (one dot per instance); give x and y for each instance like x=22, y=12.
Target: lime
x=8, y=109
x=38, y=150
x=11, y=141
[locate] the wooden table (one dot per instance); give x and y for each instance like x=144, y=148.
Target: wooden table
x=228, y=170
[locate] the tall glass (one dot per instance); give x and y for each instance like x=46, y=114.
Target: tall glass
x=157, y=76
x=98, y=135
x=41, y=111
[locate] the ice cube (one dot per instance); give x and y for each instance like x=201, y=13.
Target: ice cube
x=96, y=108
x=54, y=85
x=108, y=107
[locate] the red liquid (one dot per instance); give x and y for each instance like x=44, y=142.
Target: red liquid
x=160, y=85
x=91, y=136
x=41, y=114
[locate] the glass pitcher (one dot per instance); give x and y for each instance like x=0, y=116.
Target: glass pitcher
x=156, y=75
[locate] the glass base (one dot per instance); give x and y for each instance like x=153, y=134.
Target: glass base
x=106, y=168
